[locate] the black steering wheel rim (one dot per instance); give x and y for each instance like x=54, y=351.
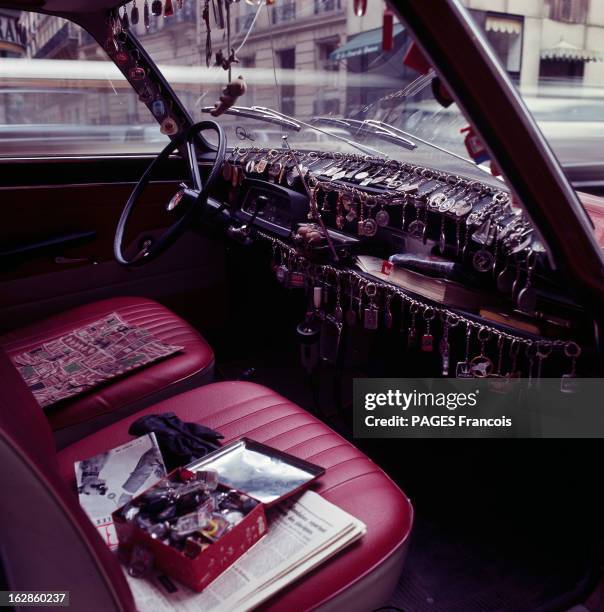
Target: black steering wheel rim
x=199, y=191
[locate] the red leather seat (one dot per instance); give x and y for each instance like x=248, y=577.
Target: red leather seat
x=84, y=413
x=361, y=577
x=49, y=544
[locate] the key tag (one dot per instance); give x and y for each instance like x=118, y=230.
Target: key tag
x=350, y=316
x=125, y=20
x=387, y=310
x=569, y=382
x=137, y=72
x=444, y=348
x=463, y=369
x=481, y=366
x=412, y=335
x=158, y=108
x=371, y=312
x=513, y=353
x=121, y=55
x=168, y=8
x=338, y=312
x=526, y=300
x=427, y=343
x=134, y=14
x=111, y=44
x=147, y=15
x=168, y=127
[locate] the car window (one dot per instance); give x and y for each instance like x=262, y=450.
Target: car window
x=61, y=95
x=318, y=61
x=553, y=50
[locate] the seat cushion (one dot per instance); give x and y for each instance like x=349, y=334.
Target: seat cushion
x=352, y=481
x=139, y=387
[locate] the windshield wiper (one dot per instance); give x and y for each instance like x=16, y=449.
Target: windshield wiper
x=261, y=113
x=388, y=132
x=371, y=127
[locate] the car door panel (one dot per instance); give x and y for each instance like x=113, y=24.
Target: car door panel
x=77, y=222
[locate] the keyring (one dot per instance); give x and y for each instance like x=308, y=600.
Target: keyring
x=572, y=350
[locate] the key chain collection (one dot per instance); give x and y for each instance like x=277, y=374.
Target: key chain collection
x=352, y=299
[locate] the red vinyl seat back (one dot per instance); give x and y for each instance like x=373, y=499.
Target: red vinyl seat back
x=47, y=543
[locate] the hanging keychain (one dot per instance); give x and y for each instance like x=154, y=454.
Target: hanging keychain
x=371, y=312
x=134, y=16
x=463, y=368
x=481, y=366
x=412, y=335
x=569, y=383
x=206, y=19
x=444, y=347
x=147, y=15
x=427, y=343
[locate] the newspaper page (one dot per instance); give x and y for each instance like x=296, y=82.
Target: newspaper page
x=302, y=534
x=109, y=480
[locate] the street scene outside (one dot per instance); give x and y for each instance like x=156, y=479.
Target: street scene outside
x=308, y=59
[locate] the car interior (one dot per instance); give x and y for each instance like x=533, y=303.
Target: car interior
x=245, y=257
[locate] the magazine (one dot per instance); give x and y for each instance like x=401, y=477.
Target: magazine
x=109, y=480
x=302, y=534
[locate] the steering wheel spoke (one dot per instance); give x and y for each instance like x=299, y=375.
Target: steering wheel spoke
x=184, y=205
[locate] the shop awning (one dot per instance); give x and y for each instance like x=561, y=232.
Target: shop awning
x=362, y=44
x=567, y=51
x=505, y=25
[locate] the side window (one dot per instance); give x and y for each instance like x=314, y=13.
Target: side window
x=61, y=95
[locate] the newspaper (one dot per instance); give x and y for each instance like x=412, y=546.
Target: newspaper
x=302, y=534
x=86, y=357
x=109, y=480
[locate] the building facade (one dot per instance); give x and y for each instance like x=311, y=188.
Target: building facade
x=543, y=42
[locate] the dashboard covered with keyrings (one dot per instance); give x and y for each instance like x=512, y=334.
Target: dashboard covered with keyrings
x=451, y=264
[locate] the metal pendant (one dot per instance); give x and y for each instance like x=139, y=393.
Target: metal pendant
x=371, y=318
x=416, y=229
x=505, y=280
x=436, y=200
x=483, y=260
x=569, y=383
x=282, y=274
x=382, y=218
x=368, y=227
x=447, y=205
x=481, y=366
x=463, y=370
x=351, y=317
x=462, y=208
x=527, y=300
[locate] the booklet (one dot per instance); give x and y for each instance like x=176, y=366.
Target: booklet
x=302, y=534
x=107, y=481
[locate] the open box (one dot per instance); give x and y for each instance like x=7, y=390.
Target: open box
x=264, y=474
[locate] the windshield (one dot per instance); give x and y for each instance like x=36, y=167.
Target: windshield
x=315, y=61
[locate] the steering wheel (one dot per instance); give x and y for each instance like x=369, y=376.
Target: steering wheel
x=184, y=204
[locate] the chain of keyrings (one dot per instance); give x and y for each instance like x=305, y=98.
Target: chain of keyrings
x=294, y=270
x=484, y=213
